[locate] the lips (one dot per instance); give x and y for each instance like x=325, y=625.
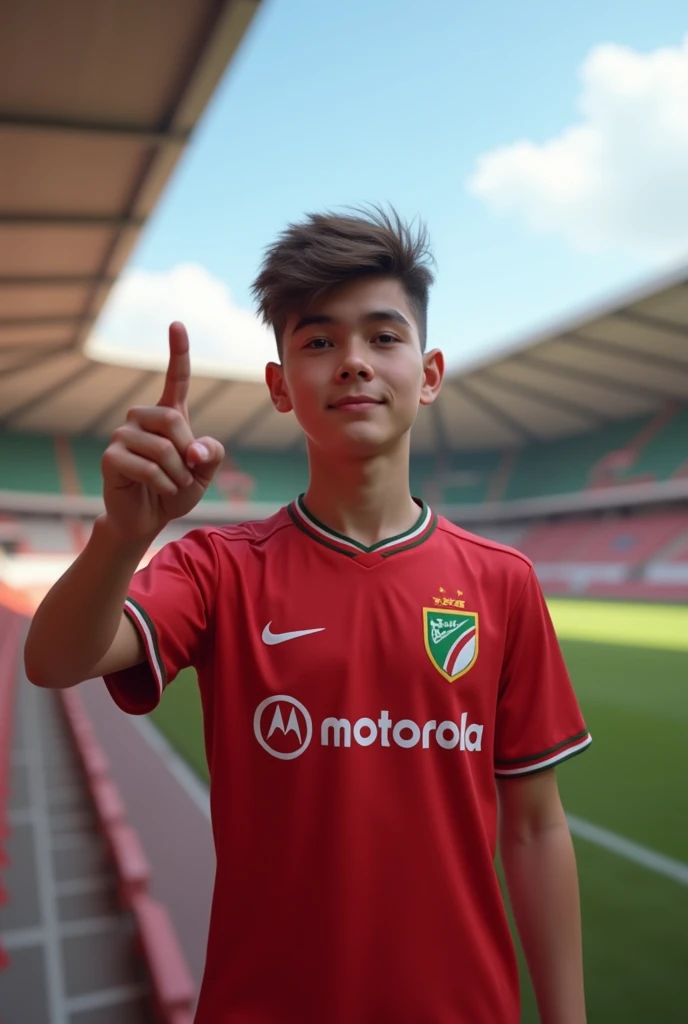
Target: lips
x=349, y=401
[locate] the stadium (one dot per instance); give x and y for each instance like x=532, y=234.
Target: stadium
x=571, y=446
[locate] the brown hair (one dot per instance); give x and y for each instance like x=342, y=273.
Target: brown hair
x=327, y=249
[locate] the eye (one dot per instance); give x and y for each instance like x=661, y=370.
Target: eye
x=386, y=338
x=318, y=343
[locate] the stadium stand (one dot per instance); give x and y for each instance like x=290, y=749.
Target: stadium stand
x=629, y=542
x=46, y=535
x=10, y=633
x=562, y=466
x=88, y=142
x=632, y=557
x=650, y=448
x=276, y=476
x=86, y=453
x=656, y=452
x=172, y=986
x=597, y=549
x=552, y=542
x=28, y=463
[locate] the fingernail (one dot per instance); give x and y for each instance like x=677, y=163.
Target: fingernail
x=202, y=452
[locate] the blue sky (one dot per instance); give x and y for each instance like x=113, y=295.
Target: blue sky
x=328, y=104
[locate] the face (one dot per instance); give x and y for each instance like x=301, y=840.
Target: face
x=352, y=368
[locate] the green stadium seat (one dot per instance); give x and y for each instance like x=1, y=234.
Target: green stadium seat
x=665, y=453
x=279, y=476
x=564, y=466
x=87, y=453
x=28, y=463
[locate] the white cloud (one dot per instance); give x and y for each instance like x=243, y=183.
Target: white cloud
x=225, y=339
x=618, y=177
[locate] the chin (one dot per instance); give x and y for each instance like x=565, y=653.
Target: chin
x=361, y=440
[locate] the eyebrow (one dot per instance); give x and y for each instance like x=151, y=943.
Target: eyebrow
x=377, y=316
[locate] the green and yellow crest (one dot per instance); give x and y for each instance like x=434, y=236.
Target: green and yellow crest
x=451, y=640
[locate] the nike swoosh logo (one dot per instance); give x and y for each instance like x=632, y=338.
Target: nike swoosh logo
x=271, y=638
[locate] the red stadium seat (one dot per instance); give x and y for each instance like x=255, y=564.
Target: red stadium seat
x=629, y=541
x=133, y=871
x=173, y=987
x=95, y=762
x=108, y=802
x=10, y=632
x=172, y=983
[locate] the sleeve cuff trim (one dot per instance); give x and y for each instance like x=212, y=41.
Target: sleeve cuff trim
x=538, y=766
x=147, y=631
x=541, y=754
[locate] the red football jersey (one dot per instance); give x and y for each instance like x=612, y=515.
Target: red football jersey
x=358, y=703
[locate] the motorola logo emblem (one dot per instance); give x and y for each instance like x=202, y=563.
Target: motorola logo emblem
x=283, y=727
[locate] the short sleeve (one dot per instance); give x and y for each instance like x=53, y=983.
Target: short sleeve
x=539, y=723
x=171, y=604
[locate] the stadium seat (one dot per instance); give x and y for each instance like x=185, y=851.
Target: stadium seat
x=680, y=554
x=556, y=542
x=173, y=987
x=10, y=634
x=28, y=463
x=133, y=870
x=630, y=541
x=279, y=476
x=108, y=803
x=171, y=980
x=564, y=466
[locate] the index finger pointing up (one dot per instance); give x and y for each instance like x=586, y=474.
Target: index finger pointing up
x=178, y=375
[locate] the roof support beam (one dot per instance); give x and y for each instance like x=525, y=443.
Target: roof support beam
x=247, y=425
x=657, y=322
x=601, y=380
x=590, y=417
x=62, y=320
x=53, y=280
x=34, y=358
x=32, y=346
x=514, y=426
x=211, y=394
x=47, y=393
x=123, y=398
x=93, y=129
x=626, y=352
x=68, y=220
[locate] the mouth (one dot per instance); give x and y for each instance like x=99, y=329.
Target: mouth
x=355, y=402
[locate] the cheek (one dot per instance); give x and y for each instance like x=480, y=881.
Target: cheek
x=406, y=381
x=304, y=390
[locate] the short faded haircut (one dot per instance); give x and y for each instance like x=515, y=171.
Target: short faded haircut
x=325, y=250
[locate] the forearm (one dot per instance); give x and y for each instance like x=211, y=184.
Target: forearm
x=543, y=885
x=78, y=619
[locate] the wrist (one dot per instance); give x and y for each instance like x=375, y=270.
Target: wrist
x=106, y=535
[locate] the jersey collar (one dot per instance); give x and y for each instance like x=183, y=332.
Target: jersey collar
x=419, y=532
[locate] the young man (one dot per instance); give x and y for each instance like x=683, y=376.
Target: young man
x=376, y=682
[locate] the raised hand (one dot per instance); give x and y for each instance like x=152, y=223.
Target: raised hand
x=154, y=469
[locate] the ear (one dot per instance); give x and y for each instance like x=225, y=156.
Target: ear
x=433, y=375
x=277, y=386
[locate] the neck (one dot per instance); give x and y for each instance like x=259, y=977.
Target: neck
x=366, y=499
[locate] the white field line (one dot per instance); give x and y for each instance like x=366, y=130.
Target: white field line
x=650, y=859
x=627, y=848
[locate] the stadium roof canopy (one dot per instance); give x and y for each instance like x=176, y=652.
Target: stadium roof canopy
x=93, y=118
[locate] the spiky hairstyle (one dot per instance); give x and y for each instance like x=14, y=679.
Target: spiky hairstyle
x=325, y=250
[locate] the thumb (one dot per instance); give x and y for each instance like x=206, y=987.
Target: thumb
x=204, y=457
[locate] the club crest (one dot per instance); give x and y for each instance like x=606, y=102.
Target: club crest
x=451, y=640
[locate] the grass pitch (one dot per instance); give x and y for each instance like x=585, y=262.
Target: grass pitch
x=629, y=665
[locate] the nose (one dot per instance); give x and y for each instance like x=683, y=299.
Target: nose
x=354, y=364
